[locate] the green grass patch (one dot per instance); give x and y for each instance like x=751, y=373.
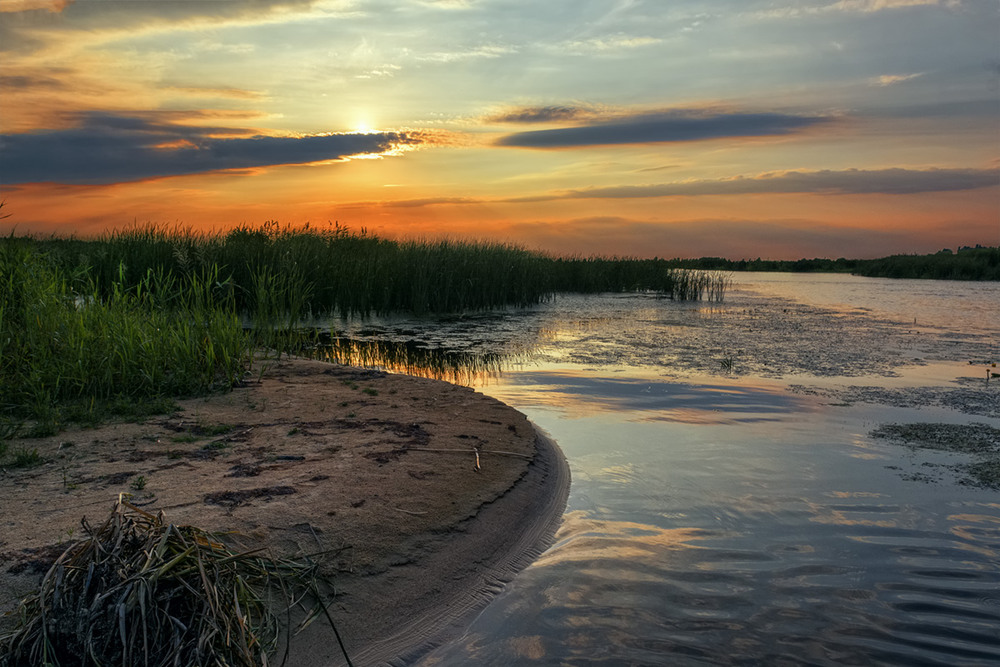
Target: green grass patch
x=74, y=349
x=211, y=430
x=23, y=457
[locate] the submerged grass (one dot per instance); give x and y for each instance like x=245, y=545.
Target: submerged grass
x=140, y=591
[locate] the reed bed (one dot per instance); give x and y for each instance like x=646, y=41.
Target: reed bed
x=333, y=271
x=72, y=346
x=140, y=591
x=123, y=321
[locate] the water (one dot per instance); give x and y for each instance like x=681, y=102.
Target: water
x=729, y=504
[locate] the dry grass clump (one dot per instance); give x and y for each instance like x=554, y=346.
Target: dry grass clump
x=139, y=591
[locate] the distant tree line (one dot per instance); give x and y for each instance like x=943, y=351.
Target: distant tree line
x=969, y=263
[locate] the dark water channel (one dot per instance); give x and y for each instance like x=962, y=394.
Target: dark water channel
x=729, y=502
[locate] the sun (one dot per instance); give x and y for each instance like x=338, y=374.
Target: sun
x=363, y=125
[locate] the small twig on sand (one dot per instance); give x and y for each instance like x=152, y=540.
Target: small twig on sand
x=471, y=451
x=400, y=509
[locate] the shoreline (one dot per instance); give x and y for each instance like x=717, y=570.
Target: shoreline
x=491, y=548
x=374, y=470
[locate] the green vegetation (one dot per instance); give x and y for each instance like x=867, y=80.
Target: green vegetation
x=968, y=263
x=138, y=591
x=72, y=347
x=122, y=323
x=25, y=458
x=279, y=275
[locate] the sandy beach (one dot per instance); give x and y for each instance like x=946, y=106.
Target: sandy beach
x=424, y=497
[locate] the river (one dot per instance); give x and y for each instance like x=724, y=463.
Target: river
x=732, y=500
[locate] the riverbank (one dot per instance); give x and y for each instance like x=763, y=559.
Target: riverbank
x=376, y=471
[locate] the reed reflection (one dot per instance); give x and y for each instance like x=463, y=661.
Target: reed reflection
x=463, y=367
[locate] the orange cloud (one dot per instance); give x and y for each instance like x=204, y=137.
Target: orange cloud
x=53, y=6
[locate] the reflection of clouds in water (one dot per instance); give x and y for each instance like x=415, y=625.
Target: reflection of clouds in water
x=751, y=528
x=619, y=474
x=979, y=533
x=583, y=539
x=582, y=393
x=527, y=647
x=851, y=516
x=853, y=494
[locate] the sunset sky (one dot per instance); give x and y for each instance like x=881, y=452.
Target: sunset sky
x=739, y=128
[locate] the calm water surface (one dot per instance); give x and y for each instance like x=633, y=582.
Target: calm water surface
x=728, y=504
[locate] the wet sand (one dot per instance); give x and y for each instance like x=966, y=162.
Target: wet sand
x=377, y=472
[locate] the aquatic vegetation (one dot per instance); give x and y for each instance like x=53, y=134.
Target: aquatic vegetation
x=410, y=358
x=978, y=440
x=89, y=327
x=277, y=275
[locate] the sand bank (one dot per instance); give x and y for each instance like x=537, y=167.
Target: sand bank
x=378, y=471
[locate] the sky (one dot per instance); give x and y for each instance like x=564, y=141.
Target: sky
x=778, y=129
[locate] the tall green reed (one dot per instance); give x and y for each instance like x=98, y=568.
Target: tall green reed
x=275, y=271
x=163, y=335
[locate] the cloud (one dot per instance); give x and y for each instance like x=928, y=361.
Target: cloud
x=546, y=114
x=40, y=22
x=735, y=239
x=662, y=127
x=207, y=92
x=446, y=4
x=606, y=44
x=855, y=6
x=892, y=79
x=476, y=52
x=869, y=6
x=845, y=182
x=52, y=6
x=20, y=82
x=106, y=148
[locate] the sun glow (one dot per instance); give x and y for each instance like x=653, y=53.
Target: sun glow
x=363, y=124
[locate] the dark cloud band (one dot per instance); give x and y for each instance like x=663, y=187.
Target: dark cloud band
x=547, y=114
x=848, y=181
x=105, y=148
x=662, y=127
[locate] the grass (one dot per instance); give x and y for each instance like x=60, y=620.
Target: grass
x=26, y=458
x=67, y=354
x=279, y=275
x=122, y=324
x=140, y=591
